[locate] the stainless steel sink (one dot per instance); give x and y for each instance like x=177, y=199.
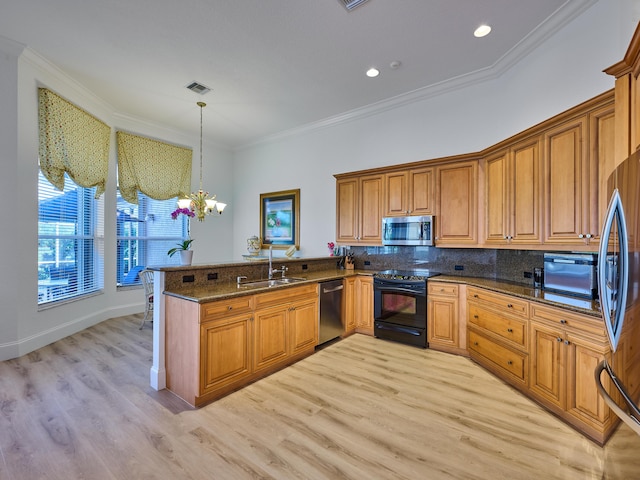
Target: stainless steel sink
x=270, y=283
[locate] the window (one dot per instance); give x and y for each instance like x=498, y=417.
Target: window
x=145, y=232
x=70, y=241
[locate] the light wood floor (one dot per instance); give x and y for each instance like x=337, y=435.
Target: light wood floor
x=361, y=408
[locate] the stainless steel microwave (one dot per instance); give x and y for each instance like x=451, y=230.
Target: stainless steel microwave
x=410, y=230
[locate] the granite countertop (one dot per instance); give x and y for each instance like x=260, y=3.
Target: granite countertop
x=226, y=290
x=578, y=305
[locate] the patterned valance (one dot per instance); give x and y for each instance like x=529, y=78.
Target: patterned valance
x=72, y=141
x=157, y=169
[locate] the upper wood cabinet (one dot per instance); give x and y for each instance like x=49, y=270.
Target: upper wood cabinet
x=568, y=187
x=456, y=204
x=359, y=207
x=513, y=195
x=409, y=192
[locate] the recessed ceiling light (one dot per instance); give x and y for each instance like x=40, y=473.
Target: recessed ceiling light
x=373, y=72
x=482, y=31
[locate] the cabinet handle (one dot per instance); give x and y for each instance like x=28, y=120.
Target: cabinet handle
x=558, y=339
x=229, y=308
x=510, y=330
x=475, y=343
x=588, y=235
x=475, y=316
x=475, y=295
x=509, y=362
x=563, y=321
x=509, y=305
x=581, y=236
x=567, y=342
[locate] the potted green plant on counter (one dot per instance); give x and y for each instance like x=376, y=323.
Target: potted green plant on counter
x=186, y=255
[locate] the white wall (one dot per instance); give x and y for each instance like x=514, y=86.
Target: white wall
x=564, y=71
x=23, y=327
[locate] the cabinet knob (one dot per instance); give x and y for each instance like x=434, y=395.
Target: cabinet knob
x=229, y=307
x=475, y=295
x=510, y=330
x=509, y=305
x=558, y=339
x=475, y=316
x=509, y=362
x=475, y=343
x=581, y=236
x=563, y=321
x=567, y=342
x=588, y=235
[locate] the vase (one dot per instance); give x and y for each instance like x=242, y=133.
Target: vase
x=253, y=245
x=186, y=256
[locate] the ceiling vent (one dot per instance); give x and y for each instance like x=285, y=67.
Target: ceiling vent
x=198, y=88
x=351, y=4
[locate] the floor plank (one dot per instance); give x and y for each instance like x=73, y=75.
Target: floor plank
x=359, y=408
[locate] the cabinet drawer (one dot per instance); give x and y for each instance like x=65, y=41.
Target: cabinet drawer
x=506, y=303
x=443, y=289
x=283, y=295
x=498, y=357
x=511, y=329
x=213, y=310
x=568, y=320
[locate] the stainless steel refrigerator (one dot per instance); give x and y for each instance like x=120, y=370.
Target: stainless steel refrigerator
x=619, y=289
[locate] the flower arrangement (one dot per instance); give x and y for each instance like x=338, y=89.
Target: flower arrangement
x=183, y=211
x=180, y=246
x=333, y=250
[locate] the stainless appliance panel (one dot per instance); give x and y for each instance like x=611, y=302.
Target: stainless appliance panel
x=572, y=274
x=410, y=230
x=330, y=321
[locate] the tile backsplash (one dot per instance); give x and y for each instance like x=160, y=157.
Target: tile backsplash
x=509, y=265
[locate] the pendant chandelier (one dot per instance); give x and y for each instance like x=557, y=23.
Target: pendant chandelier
x=201, y=203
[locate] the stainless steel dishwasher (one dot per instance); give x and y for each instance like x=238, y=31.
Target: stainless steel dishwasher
x=330, y=311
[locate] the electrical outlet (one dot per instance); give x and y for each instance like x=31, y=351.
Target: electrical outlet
x=212, y=276
x=305, y=266
x=188, y=278
x=367, y=263
x=528, y=275
x=459, y=267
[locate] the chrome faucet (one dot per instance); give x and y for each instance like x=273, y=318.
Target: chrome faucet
x=270, y=262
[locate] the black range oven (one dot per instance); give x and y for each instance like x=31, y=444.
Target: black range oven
x=400, y=306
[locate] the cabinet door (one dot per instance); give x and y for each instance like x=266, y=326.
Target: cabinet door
x=601, y=164
x=442, y=321
x=583, y=400
x=421, y=191
x=497, y=198
x=270, y=336
x=349, y=305
x=303, y=325
x=456, y=221
x=225, y=352
x=396, y=194
x=566, y=191
x=525, y=193
x=364, y=287
x=347, y=210
x=371, y=208
x=547, y=377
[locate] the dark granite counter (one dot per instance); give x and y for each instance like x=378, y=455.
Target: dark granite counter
x=228, y=289
x=578, y=305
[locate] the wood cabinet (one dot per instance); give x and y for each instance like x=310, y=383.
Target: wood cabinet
x=409, y=192
x=571, y=187
x=498, y=334
x=217, y=347
x=349, y=309
x=565, y=350
x=364, y=304
x=456, y=204
x=359, y=209
x=513, y=195
x=443, y=325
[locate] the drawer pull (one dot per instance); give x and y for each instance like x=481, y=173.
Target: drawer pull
x=475, y=343
x=475, y=295
x=558, y=339
x=509, y=362
x=229, y=308
x=475, y=316
x=510, y=330
x=567, y=342
x=563, y=321
x=509, y=305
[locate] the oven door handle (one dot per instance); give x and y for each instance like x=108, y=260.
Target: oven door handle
x=408, y=331
x=420, y=293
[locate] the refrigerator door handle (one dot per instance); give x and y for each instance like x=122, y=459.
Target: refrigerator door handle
x=632, y=418
x=613, y=281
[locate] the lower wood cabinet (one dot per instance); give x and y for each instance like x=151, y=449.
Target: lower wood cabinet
x=364, y=304
x=443, y=317
x=349, y=319
x=215, y=348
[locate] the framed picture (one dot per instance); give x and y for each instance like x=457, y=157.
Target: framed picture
x=280, y=218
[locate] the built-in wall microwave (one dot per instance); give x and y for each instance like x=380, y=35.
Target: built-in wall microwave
x=410, y=230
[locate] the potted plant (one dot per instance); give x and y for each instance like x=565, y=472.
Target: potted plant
x=186, y=255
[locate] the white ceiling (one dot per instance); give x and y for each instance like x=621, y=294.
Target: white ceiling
x=274, y=65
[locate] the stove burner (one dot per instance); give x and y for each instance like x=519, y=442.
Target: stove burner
x=419, y=274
